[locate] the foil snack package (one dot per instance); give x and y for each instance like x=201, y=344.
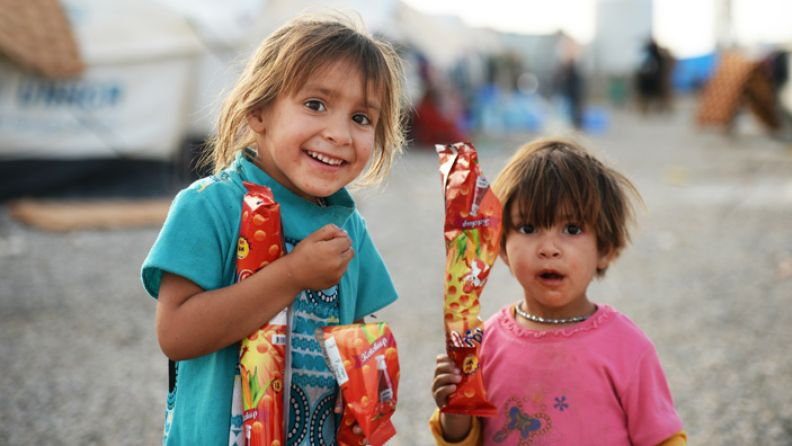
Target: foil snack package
x=262, y=354
x=472, y=241
x=365, y=362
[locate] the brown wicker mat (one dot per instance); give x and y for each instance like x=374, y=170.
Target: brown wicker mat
x=51, y=215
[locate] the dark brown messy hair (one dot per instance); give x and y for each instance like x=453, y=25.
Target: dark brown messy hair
x=282, y=65
x=553, y=177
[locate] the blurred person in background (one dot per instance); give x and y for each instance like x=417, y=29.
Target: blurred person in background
x=653, y=78
x=436, y=117
x=569, y=82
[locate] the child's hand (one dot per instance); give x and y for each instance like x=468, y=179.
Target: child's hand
x=455, y=427
x=446, y=377
x=319, y=261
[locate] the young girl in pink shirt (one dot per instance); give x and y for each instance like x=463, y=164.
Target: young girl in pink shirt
x=561, y=369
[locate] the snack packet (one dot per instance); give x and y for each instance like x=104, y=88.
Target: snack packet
x=365, y=362
x=472, y=240
x=262, y=354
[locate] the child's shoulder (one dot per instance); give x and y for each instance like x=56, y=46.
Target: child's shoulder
x=214, y=186
x=628, y=335
x=224, y=181
x=218, y=193
x=623, y=321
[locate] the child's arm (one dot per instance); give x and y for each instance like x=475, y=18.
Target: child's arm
x=192, y=322
x=678, y=439
x=454, y=427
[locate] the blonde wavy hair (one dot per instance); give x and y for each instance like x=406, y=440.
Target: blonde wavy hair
x=283, y=64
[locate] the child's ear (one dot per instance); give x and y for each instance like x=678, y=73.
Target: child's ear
x=605, y=259
x=257, y=121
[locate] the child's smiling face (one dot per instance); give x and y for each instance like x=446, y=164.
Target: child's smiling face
x=320, y=138
x=554, y=265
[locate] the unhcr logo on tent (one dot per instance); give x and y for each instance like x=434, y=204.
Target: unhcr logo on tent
x=84, y=94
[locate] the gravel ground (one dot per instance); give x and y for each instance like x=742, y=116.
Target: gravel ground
x=709, y=278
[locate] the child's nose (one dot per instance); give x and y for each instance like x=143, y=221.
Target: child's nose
x=548, y=248
x=339, y=130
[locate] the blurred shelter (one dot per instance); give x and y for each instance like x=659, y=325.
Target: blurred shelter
x=738, y=82
x=228, y=32
x=129, y=102
x=621, y=26
x=692, y=73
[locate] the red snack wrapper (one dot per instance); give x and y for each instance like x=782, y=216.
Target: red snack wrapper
x=365, y=362
x=472, y=241
x=262, y=354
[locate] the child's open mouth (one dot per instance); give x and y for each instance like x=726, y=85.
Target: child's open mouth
x=324, y=159
x=550, y=275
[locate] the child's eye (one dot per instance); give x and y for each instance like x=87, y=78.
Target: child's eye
x=526, y=229
x=573, y=229
x=361, y=119
x=315, y=105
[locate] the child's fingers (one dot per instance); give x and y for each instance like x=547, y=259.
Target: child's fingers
x=445, y=365
x=339, y=244
x=443, y=358
x=328, y=232
x=445, y=381
x=442, y=379
x=442, y=393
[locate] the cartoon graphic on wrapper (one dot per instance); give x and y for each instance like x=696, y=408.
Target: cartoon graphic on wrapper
x=477, y=277
x=243, y=248
x=470, y=364
x=472, y=238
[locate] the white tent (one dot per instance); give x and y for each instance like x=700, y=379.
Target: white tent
x=130, y=101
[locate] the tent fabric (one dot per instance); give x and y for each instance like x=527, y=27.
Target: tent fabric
x=737, y=81
x=37, y=35
x=131, y=100
x=130, y=31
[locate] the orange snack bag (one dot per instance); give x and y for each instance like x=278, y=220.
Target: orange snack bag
x=262, y=354
x=472, y=240
x=365, y=362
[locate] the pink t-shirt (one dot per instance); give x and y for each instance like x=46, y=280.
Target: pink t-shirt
x=598, y=382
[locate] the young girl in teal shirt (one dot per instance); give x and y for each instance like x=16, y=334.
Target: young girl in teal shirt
x=317, y=108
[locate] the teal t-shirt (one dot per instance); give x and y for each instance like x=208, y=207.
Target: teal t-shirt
x=198, y=241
